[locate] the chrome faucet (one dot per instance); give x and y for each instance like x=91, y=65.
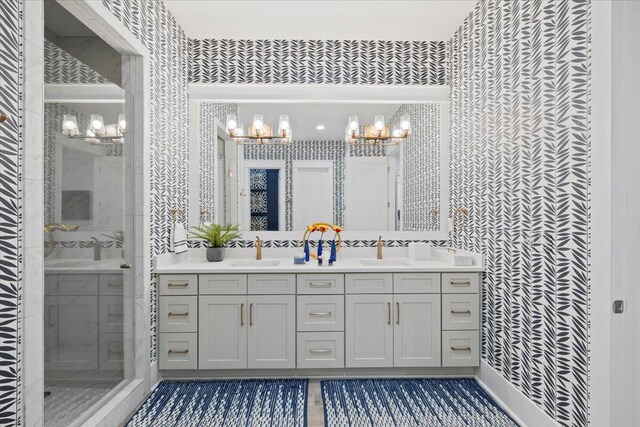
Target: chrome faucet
x=379, y=246
x=258, y=248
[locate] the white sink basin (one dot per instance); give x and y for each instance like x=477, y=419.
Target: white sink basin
x=256, y=263
x=383, y=262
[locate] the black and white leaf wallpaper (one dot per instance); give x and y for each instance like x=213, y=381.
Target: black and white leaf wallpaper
x=520, y=156
x=155, y=27
x=378, y=62
x=62, y=67
x=11, y=219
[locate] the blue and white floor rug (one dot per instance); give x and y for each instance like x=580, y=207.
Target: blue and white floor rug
x=424, y=402
x=228, y=403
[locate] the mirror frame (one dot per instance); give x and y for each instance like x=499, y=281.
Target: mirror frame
x=298, y=93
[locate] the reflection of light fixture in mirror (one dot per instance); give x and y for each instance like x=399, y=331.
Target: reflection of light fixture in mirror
x=69, y=125
x=122, y=124
x=259, y=132
x=97, y=132
x=320, y=127
x=378, y=133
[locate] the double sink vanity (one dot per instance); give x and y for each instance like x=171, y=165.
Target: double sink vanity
x=245, y=314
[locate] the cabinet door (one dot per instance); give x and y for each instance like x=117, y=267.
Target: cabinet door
x=77, y=324
x=222, y=332
x=272, y=331
x=369, y=331
x=416, y=335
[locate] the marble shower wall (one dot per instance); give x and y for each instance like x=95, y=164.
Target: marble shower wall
x=520, y=161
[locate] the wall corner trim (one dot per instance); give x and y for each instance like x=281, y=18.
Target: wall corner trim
x=511, y=399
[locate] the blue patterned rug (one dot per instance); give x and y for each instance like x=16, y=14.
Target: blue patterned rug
x=409, y=403
x=228, y=403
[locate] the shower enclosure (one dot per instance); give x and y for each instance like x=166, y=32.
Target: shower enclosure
x=88, y=289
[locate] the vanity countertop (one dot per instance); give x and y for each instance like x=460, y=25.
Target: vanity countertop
x=286, y=265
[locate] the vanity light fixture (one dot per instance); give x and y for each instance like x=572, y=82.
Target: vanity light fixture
x=259, y=133
x=97, y=132
x=378, y=133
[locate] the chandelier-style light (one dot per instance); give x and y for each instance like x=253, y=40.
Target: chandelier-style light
x=97, y=132
x=259, y=133
x=377, y=133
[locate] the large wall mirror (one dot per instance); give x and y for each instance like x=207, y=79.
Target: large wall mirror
x=397, y=186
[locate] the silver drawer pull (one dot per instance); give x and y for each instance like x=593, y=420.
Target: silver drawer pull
x=320, y=284
x=460, y=311
x=461, y=348
x=178, y=314
x=178, y=351
x=320, y=313
x=320, y=351
x=460, y=283
x=177, y=285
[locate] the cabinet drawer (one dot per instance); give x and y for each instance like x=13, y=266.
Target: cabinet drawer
x=320, y=313
x=111, y=284
x=77, y=284
x=460, y=348
x=51, y=284
x=178, y=351
x=416, y=283
x=111, y=311
x=223, y=284
x=320, y=350
x=179, y=284
x=460, y=312
x=178, y=314
x=460, y=283
x=278, y=284
x=320, y=283
x=111, y=351
x=369, y=283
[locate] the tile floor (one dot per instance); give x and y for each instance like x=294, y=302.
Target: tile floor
x=69, y=399
x=315, y=414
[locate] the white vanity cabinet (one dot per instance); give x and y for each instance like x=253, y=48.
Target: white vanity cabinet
x=319, y=320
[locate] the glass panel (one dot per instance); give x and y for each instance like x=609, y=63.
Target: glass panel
x=88, y=315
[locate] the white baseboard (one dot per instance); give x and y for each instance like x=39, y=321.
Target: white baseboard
x=513, y=401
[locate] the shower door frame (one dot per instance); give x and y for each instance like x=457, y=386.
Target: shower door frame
x=135, y=79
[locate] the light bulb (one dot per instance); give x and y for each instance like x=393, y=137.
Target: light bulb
x=97, y=124
x=405, y=122
x=283, y=128
x=379, y=122
x=257, y=123
x=232, y=122
x=353, y=123
x=396, y=133
x=69, y=125
x=122, y=123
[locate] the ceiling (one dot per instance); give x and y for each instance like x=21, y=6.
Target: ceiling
x=305, y=117
x=321, y=19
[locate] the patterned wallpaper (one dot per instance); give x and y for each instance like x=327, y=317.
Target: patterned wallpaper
x=520, y=159
x=11, y=219
x=157, y=29
x=209, y=111
x=318, y=62
x=420, y=167
x=61, y=67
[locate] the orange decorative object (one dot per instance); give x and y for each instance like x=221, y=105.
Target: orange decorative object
x=322, y=227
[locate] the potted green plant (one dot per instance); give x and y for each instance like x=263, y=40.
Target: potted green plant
x=216, y=236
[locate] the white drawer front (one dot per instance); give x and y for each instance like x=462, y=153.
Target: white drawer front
x=111, y=351
x=460, y=348
x=460, y=311
x=274, y=284
x=111, y=314
x=223, y=284
x=320, y=350
x=369, y=283
x=178, y=351
x=320, y=313
x=111, y=284
x=460, y=283
x=179, y=284
x=77, y=284
x=320, y=283
x=178, y=314
x=416, y=283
